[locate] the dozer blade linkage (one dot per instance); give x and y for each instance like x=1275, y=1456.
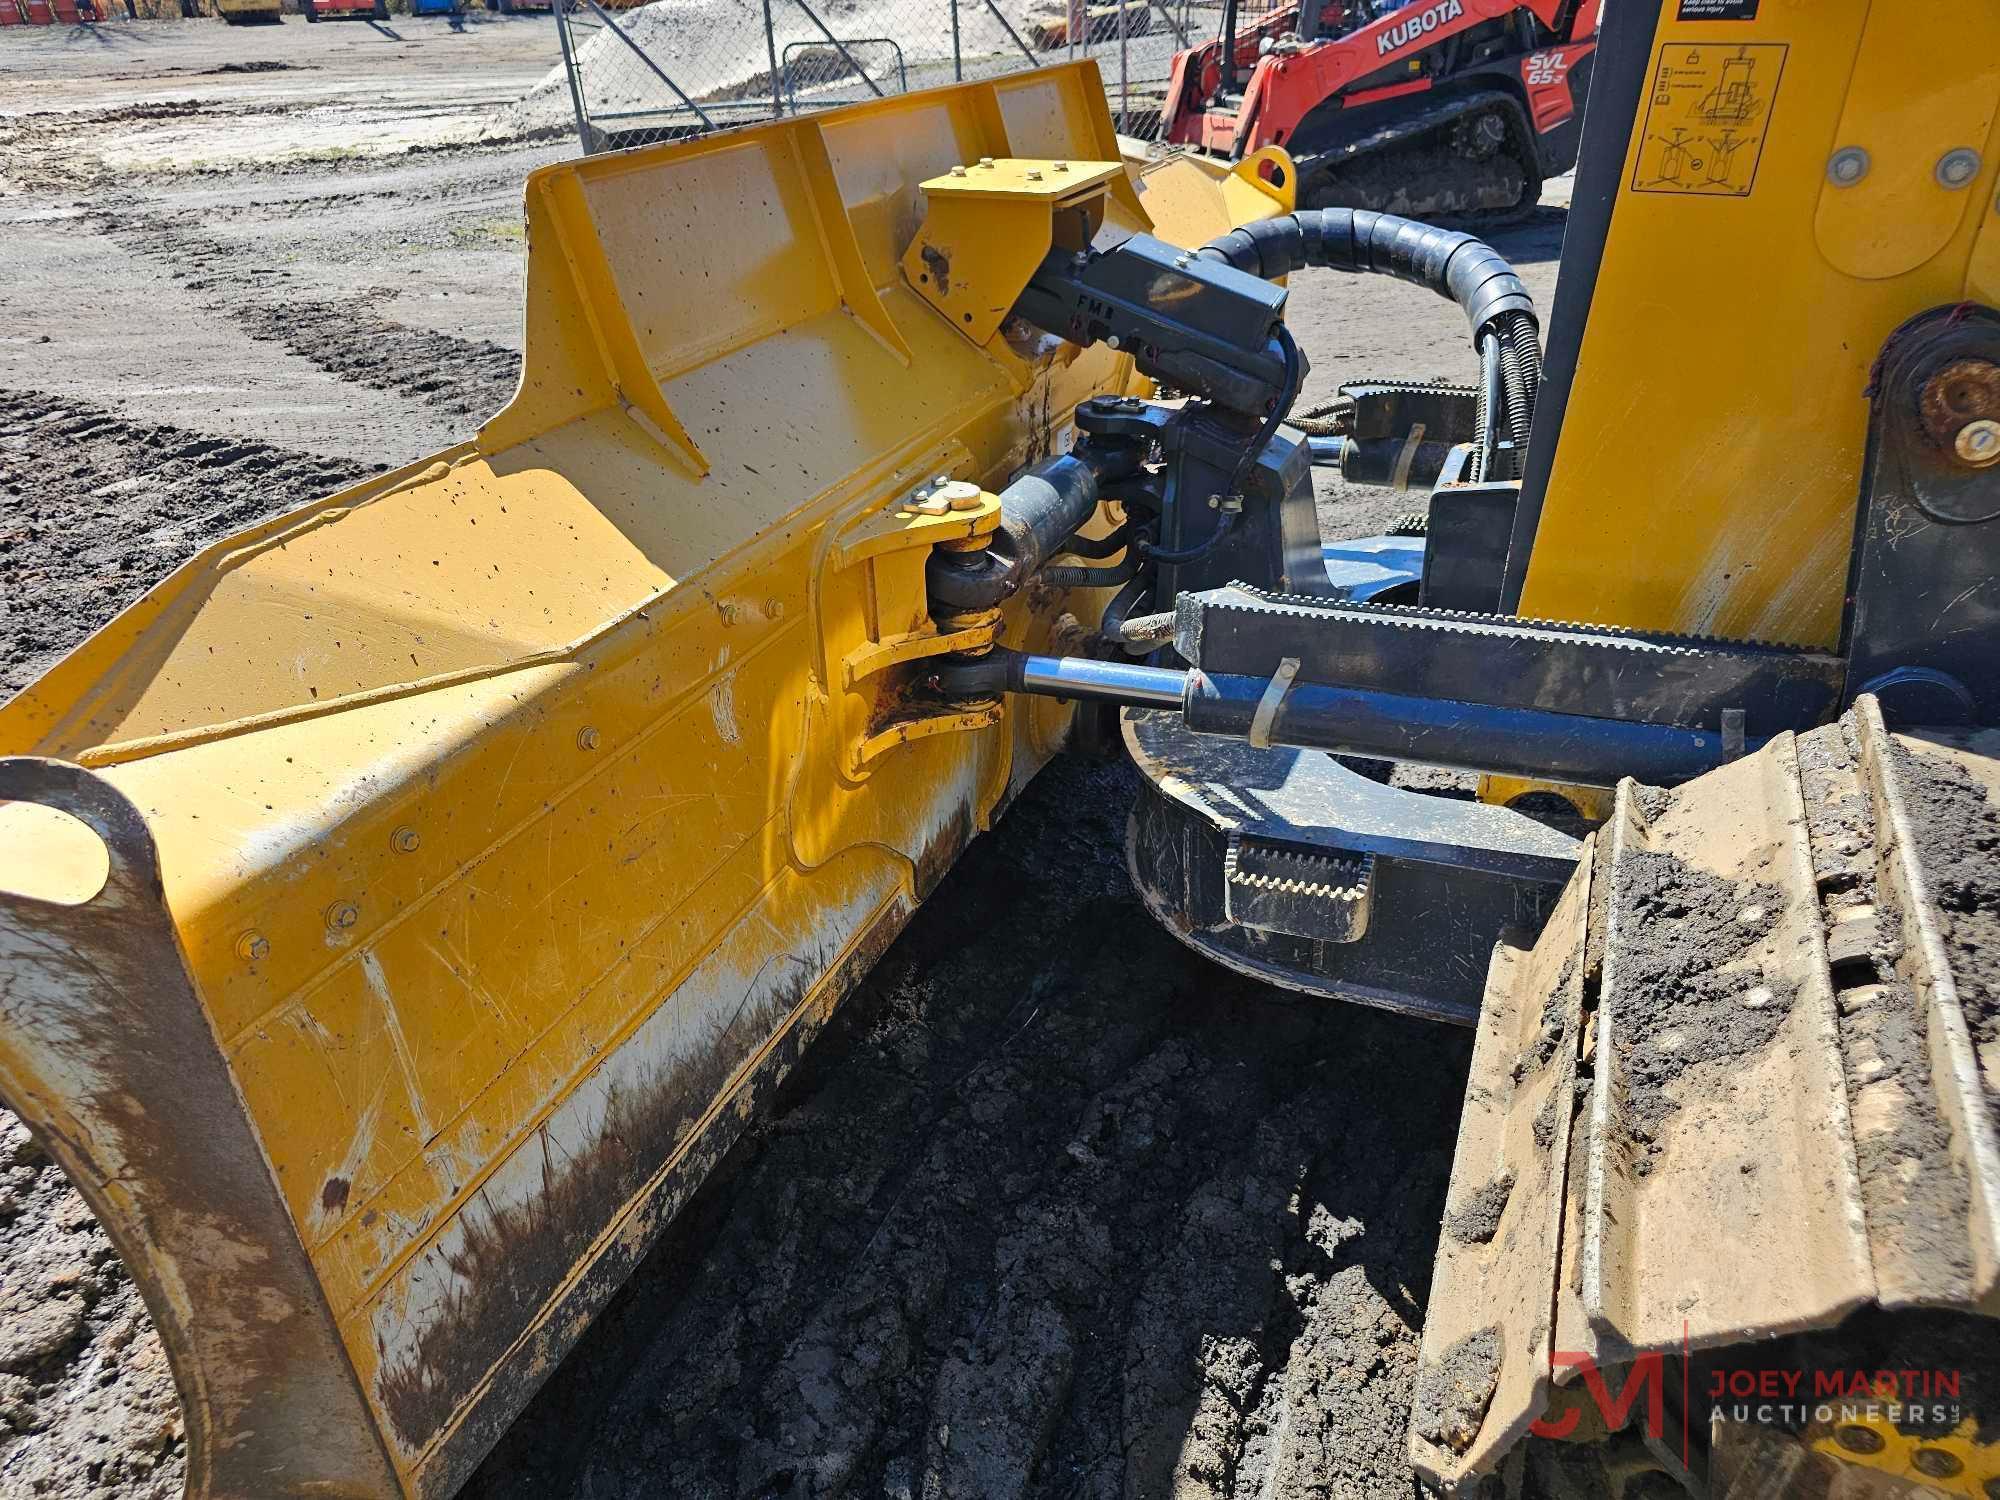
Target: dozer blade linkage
x=406, y=903
x=1773, y=990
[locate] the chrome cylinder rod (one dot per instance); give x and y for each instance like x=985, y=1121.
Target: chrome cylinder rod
x=1103, y=681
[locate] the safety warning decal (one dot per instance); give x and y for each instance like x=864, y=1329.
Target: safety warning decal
x=1717, y=10
x=1707, y=117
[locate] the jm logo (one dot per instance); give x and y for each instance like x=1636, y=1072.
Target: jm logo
x=1646, y=1376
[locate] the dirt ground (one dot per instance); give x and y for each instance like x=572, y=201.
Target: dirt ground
x=1100, y=1221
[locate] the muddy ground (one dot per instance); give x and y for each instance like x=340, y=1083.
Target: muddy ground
x=1056, y=1209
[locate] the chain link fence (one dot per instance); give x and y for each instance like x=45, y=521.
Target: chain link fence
x=632, y=74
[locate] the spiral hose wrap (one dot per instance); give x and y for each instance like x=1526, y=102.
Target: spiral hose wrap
x=1453, y=264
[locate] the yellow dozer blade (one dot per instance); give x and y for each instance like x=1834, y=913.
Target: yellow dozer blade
x=408, y=901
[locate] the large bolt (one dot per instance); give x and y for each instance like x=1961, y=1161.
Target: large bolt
x=1956, y=169
x=405, y=840
x=1847, y=166
x=253, y=947
x=1958, y=403
x=1858, y=1439
x=1935, y=1462
x=586, y=738
x=957, y=494
x=1978, y=443
x=342, y=915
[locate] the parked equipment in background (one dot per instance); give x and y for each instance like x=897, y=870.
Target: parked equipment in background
x=247, y=12
x=1049, y=26
x=405, y=904
x=342, y=10
x=47, y=12
x=1457, y=108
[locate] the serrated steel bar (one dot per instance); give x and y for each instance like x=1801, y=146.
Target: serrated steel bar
x=1496, y=662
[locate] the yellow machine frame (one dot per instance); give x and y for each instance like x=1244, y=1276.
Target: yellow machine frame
x=412, y=896
x=1741, y=300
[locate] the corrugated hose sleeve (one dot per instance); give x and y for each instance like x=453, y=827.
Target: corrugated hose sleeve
x=1453, y=264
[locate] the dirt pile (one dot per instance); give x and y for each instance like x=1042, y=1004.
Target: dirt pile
x=87, y=1404
x=1958, y=829
x=1689, y=995
x=717, y=50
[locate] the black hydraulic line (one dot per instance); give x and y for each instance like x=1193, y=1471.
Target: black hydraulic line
x=1122, y=572
x=1197, y=552
x=1112, y=622
x=1486, y=421
x=1268, y=429
x=1295, y=377
x=1097, y=548
x=1451, y=263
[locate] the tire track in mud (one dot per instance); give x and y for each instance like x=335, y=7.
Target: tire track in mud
x=1056, y=1209
x=95, y=509
x=466, y=379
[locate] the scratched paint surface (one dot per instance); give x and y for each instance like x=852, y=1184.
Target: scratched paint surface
x=508, y=807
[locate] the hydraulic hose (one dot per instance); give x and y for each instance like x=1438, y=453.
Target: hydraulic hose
x=1098, y=548
x=1487, y=413
x=1469, y=271
x=1111, y=624
x=1110, y=576
x=1453, y=264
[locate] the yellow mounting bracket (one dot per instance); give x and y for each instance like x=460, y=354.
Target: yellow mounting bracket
x=988, y=225
x=876, y=617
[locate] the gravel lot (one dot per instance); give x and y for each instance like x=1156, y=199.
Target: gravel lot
x=1107, y=1222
